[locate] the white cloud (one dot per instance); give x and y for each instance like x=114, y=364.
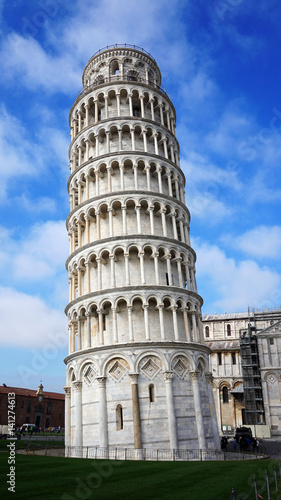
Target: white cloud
x=25, y=58
x=41, y=204
x=260, y=242
x=16, y=154
x=29, y=155
x=232, y=285
x=204, y=186
x=26, y=321
x=39, y=254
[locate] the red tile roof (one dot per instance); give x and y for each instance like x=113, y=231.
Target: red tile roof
x=19, y=391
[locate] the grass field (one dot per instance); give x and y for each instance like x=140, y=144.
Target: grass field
x=21, y=443
x=67, y=479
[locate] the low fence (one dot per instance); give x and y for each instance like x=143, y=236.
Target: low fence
x=117, y=453
x=263, y=487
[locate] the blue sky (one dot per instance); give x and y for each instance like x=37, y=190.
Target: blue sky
x=220, y=63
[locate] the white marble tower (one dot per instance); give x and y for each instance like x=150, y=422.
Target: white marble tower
x=138, y=369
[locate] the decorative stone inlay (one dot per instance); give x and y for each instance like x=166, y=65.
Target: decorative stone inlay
x=271, y=379
x=89, y=374
x=150, y=368
x=179, y=367
x=117, y=371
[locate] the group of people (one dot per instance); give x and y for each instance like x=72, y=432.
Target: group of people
x=242, y=443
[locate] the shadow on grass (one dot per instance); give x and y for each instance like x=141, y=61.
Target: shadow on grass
x=68, y=479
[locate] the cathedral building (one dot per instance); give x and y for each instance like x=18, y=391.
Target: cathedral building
x=246, y=369
x=138, y=371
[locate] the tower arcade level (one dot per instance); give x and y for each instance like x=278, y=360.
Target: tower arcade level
x=138, y=369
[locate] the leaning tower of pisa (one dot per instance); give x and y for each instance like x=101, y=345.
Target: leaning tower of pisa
x=138, y=369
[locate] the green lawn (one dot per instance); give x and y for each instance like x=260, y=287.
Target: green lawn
x=67, y=479
x=22, y=443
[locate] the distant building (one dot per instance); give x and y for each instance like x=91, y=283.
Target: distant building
x=246, y=368
x=44, y=409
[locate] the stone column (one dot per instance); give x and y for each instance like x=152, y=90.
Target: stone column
x=67, y=391
x=158, y=170
x=147, y=169
x=133, y=138
x=187, y=275
x=155, y=143
x=186, y=325
x=79, y=121
x=161, y=114
x=107, y=141
x=138, y=207
x=127, y=270
x=151, y=209
x=194, y=325
x=78, y=439
x=146, y=322
x=106, y=106
x=97, y=145
x=130, y=322
x=96, y=111
x=135, y=168
x=219, y=408
x=130, y=105
x=103, y=429
x=169, y=269
x=79, y=340
x=118, y=104
x=174, y=226
x=112, y=270
x=110, y=217
x=88, y=316
x=266, y=403
x=88, y=277
x=164, y=225
x=141, y=256
x=169, y=176
x=101, y=339
x=178, y=260
x=120, y=139
x=181, y=230
x=161, y=321
x=156, y=266
x=209, y=379
x=114, y=321
x=172, y=423
x=142, y=106
x=87, y=114
x=99, y=273
x=144, y=141
x=165, y=148
x=109, y=179
x=121, y=168
x=98, y=225
x=136, y=411
x=175, y=322
x=198, y=410
x=152, y=109
x=72, y=337
x=87, y=229
x=124, y=221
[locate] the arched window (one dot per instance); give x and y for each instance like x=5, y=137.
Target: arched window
x=119, y=417
x=207, y=331
x=228, y=329
x=225, y=395
x=115, y=68
x=151, y=392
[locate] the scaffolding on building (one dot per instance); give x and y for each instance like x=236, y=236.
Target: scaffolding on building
x=253, y=399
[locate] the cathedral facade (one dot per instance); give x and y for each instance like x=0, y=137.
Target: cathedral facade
x=138, y=368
